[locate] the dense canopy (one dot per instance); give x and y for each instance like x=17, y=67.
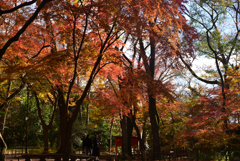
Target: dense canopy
x=125, y=68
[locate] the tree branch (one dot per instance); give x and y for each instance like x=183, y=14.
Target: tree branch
x=13, y=94
x=193, y=73
x=17, y=7
x=22, y=30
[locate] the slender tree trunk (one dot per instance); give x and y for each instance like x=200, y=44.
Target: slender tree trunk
x=9, y=96
x=26, y=141
x=51, y=135
x=44, y=125
x=129, y=136
x=87, y=108
x=154, y=127
x=46, y=147
x=152, y=102
x=80, y=113
x=3, y=119
x=3, y=147
x=87, y=114
x=110, y=139
x=140, y=138
x=150, y=69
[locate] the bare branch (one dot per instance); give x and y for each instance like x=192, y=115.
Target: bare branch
x=193, y=73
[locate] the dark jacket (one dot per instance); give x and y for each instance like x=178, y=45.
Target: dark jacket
x=96, y=147
x=88, y=142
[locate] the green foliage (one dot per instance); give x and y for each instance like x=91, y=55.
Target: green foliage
x=15, y=132
x=205, y=15
x=80, y=131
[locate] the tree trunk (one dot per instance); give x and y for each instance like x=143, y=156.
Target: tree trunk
x=87, y=108
x=63, y=132
x=27, y=127
x=154, y=127
x=152, y=102
x=3, y=119
x=3, y=147
x=124, y=135
x=149, y=66
x=45, y=127
x=110, y=139
x=80, y=113
x=129, y=136
x=46, y=148
x=87, y=114
x=67, y=149
x=65, y=128
x=51, y=135
x=140, y=138
x=127, y=129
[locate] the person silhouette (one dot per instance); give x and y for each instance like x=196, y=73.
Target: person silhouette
x=88, y=144
x=96, y=147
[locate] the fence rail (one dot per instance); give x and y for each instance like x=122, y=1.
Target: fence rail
x=21, y=150
x=197, y=155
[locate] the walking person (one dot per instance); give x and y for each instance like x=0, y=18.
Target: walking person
x=88, y=144
x=96, y=147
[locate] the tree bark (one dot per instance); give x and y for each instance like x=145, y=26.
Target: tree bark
x=46, y=148
x=154, y=127
x=127, y=129
x=124, y=136
x=140, y=138
x=110, y=139
x=65, y=147
x=3, y=147
x=80, y=113
x=63, y=122
x=87, y=114
x=65, y=128
x=129, y=136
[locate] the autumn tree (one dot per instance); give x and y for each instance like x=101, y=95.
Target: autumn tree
x=221, y=45
x=83, y=37
x=156, y=43
x=14, y=22
x=80, y=36
x=156, y=28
